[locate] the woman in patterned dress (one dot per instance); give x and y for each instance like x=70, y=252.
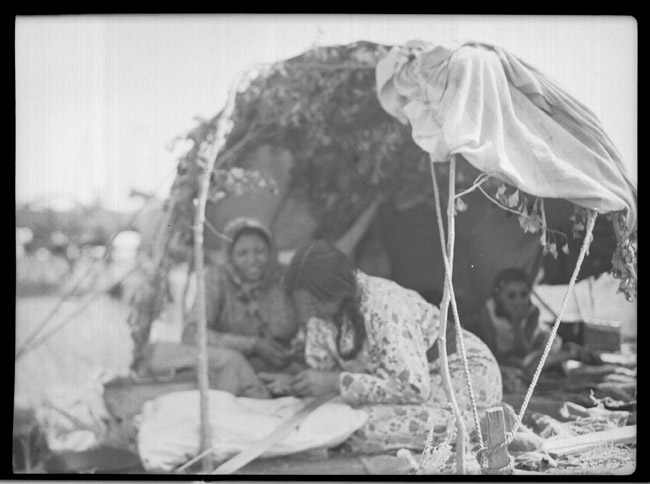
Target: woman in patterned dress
x=370, y=340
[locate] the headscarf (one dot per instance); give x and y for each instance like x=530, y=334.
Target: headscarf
x=247, y=292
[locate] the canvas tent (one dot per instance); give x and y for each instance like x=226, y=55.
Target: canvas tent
x=318, y=126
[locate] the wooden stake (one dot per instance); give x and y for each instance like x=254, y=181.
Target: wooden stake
x=496, y=424
x=284, y=430
x=583, y=443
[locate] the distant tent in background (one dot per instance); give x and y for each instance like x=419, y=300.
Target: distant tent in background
x=314, y=125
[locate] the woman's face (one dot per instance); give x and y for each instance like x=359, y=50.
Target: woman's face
x=515, y=299
x=250, y=255
x=309, y=306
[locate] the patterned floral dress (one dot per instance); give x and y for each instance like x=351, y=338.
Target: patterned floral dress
x=391, y=378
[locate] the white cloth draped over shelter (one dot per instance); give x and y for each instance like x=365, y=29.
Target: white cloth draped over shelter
x=508, y=120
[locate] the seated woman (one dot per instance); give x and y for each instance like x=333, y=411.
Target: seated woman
x=369, y=339
x=252, y=324
x=509, y=324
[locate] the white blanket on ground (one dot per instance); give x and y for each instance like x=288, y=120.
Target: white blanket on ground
x=169, y=432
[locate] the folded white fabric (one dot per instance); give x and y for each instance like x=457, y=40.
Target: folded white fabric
x=169, y=433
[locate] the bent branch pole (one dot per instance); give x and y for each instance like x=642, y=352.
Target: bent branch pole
x=202, y=340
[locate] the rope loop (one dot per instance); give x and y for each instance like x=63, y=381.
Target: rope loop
x=484, y=453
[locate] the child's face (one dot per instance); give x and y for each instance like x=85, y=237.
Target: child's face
x=515, y=299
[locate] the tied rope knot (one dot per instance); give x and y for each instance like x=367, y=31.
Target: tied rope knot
x=484, y=453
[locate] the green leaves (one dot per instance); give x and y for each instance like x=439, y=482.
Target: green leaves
x=579, y=219
x=624, y=260
x=513, y=200
x=460, y=205
x=550, y=249
x=237, y=181
x=531, y=218
x=531, y=223
x=500, y=195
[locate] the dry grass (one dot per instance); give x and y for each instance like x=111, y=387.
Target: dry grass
x=605, y=459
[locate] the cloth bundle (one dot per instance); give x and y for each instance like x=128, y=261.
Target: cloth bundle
x=169, y=432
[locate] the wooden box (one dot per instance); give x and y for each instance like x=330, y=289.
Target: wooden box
x=602, y=335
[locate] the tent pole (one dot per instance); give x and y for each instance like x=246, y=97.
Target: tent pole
x=442, y=337
x=451, y=239
x=223, y=127
x=202, y=332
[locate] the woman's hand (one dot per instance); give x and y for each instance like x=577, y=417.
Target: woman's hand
x=279, y=384
x=272, y=351
x=314, y=383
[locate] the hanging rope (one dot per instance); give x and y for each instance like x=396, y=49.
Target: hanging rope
x=484, y=452
x=447, y=257
x=442, y=340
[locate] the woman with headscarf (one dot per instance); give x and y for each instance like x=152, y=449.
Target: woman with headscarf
x=374, y=343
x=246, y=306
x=252, y=324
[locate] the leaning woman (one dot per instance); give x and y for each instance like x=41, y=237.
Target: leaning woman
x=371, y=340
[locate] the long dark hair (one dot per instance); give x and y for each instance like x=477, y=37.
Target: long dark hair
x=327, y=273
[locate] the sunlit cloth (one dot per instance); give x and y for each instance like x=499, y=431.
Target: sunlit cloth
x=169, y=428
x=507, y=119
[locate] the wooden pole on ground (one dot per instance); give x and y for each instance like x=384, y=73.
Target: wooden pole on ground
x=497, y=458
x=278, y=434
